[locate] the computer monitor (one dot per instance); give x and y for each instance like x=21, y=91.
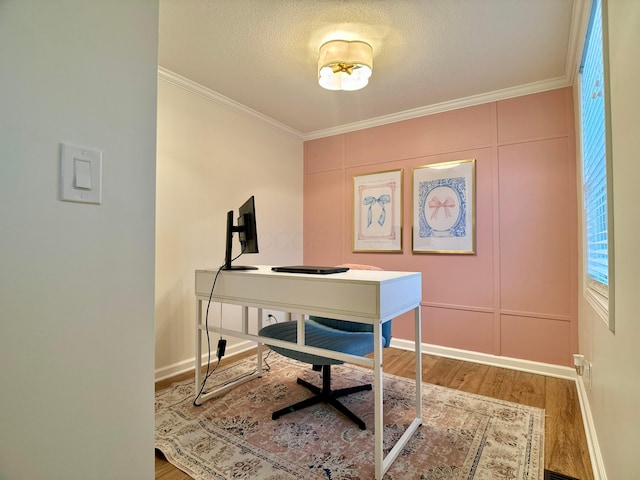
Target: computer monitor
x=247, y=234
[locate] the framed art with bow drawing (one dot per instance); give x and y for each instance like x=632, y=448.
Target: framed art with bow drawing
x=444, y=218
x=377, y=212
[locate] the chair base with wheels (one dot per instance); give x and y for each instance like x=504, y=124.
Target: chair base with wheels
x=338, y=335
x=326, y=395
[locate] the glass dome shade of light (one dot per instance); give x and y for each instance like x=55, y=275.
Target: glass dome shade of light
x=345, y=65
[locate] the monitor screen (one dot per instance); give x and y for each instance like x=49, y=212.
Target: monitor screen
x=247, y=220
x=247, y=234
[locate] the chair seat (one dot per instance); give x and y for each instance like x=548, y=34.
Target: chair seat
x=321, y=336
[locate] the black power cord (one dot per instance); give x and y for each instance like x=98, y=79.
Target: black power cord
x=206, y=323
x=222, y=343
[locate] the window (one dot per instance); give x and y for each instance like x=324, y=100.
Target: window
x=596, y=167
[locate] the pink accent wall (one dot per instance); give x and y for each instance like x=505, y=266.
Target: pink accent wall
x=517, y=295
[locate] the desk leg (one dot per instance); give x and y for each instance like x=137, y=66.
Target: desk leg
x=418, y=347
x=383, y=464
x=259, y=345
x=198, y=359
x=378, y=396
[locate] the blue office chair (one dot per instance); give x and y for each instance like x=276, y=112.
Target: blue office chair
x=338, y=335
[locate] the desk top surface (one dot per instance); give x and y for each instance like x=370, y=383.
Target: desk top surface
x=368, y=294
x=352, y=275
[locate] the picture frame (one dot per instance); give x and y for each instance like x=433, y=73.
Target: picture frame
x=444, y=210
x=377, y=212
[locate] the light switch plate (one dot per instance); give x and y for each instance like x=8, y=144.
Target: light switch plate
x=71, y=157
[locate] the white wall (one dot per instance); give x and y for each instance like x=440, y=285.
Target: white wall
x=211, y=158
x=77, y=280
x=614, y=396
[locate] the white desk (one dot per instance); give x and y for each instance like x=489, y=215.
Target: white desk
x=365, y=296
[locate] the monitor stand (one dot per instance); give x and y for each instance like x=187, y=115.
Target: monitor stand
x=239, y=267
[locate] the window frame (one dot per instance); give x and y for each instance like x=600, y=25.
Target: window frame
x=600, y=296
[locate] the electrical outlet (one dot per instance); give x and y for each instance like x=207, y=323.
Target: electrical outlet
x=579, y=363
x=271, y=316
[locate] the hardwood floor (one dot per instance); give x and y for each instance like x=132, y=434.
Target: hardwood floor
x=565, y=449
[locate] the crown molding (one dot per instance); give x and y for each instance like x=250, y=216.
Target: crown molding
x=536, y=87
x=208, y=94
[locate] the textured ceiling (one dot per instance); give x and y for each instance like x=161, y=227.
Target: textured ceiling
x=263, y=53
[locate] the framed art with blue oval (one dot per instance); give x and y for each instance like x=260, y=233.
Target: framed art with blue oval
x=444, y=207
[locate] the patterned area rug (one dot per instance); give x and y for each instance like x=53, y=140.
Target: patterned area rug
x=232, y=436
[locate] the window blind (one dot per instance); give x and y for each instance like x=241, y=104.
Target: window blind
x=594, y=166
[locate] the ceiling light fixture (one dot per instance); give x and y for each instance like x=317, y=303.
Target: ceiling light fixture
x=344, y=65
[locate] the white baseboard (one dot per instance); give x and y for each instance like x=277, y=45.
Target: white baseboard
x=437, y=350
x=188, y=365
x=597, y=463
x=493, y=360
